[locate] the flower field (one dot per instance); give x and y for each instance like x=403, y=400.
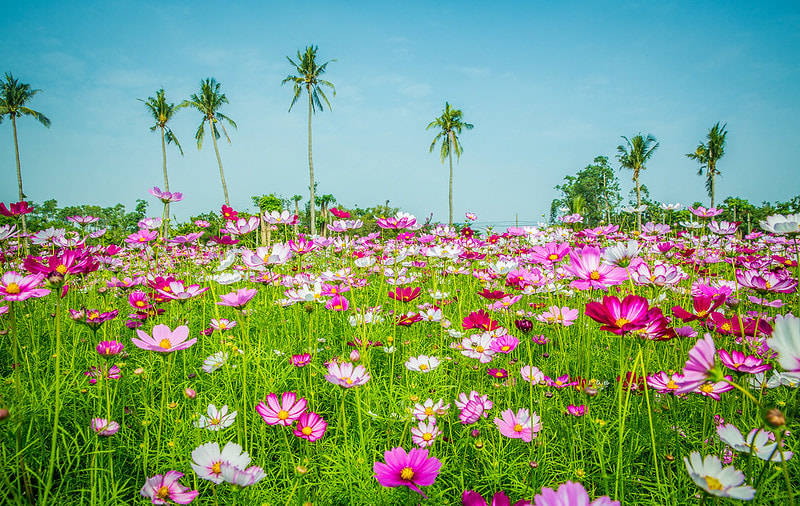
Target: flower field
x=560, y=365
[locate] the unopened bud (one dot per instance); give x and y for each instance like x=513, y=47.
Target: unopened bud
x=775, y=418
x=3, y=414
x=190, y=393
x=355, y=356
x=590, y=391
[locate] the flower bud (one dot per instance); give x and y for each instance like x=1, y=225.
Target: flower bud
x=3, y=414
x=775, y=418
x=190, y=393
x=355, y=356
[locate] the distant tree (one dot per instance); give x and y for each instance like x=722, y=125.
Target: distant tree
x=266, y=204
x=449, y=124
x=598, y=188
x=14, y=97
x=708, y=154
x=208, y=102
x=636, y=152
x=162, y=112
x=325, y=201
x=296, y=199
x=307, y=78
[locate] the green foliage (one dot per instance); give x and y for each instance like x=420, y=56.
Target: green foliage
x=268, y=203
x=593, y=192
x=14, y=96
x=308, y=77
x=449, y=126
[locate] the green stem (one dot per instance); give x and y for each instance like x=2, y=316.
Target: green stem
x=56, y=401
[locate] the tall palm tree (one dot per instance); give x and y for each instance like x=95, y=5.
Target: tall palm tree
x=209, y=102
x=163, y=111
x=708, y=154
x=324, y=203
x=14, y=96
x=634, y=155
x=308, y=78
x=450, y=124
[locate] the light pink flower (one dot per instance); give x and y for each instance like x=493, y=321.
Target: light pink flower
x=164, y=340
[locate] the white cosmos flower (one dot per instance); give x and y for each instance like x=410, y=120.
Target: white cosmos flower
x=207, y=460
x=780, y=224
x=215, y=361
x=785, y=341
x=757, y=439
x=422, y=363
x=216, y=419
x=240, y=476
x=709, y=475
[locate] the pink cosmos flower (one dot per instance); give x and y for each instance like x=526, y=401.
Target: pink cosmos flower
x=714, y=388
x=404, y=294
x=141, y=237
x=424, y=434
x=504, y=344
x=480, y=320
x=165, y=196
x=179, y=291
x=413, y=469
x=660, y=274
x=570, y=494
x=162, y=488
x=723, y=227
x=473, y=407
x=699, y=366
x=618, y=316
x=94, y=372
x=109, y=348
x=558, y=315
x=703, y=305
x=339, y=213
x=532, y=374
x=345, y=375
x=767, y=281
x=15, y=287
x=738, y=361
x=550, y=253
x=301, y=360
x=576, y=410
x=237, y=299
x=164, y=340
x=587, y=265
x=104, y=427
x=472, y=498
x=310, y=426
x=220, y=324
x=702, y=212
x=664, y=383
x=519, y=425
x=15, y=209
x=338, y=303
x=284, y=412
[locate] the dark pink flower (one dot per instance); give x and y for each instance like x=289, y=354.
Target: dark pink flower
x=413, y=469
x=618, y=316
x=738, y=361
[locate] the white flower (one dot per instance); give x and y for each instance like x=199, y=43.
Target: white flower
x=423, y=363
x=780, y=224
x=709, y=475
x=240, y=476
x=785, y=341
x=227, y=278
x=478, y=346
x=424, y=434
x=207, y=460
x=216, y=419
x=670, y=207
x=621, y=254
x=215, y=361
x=532, y=374
x=757, y=439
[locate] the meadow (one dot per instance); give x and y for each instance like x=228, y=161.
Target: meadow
x=552, y=365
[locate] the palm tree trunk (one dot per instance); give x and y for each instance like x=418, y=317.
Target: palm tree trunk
x=219, y=162
x=297, y=213
x=638, y=203
x=713, y=171
x=166, y=182
x=312, y=204
x=19, y=183
x=450, y=156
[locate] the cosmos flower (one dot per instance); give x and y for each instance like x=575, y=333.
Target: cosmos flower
x=570, y=494
x=700, y=365
x=16, y=287
x=422, y=363
x=237, y=299
x=159, y=489
x=758, y=442
x=738, y=361
x=285, y=412
x=519, y=425
x=310, y=426
x=413, y=469
x=104, y=427
x=109, y=348
x=618, y=316
x=207, y=460
x=785, y=341
x=558, y=315
x=164, y=340
x=424, y=434
x=345, y=375
x=428, y=410
x=709, y=475
x=216, y=419
x=241, y=477
x=586, y=264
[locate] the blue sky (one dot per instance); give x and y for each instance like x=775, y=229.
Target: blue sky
x=548, y=85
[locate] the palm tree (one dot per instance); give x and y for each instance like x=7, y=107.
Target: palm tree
x=449, y=124
x=308, y=77
x=209, y=102
x=13, y=97
x=634, y=155
x=708, y=154
x=163, y=111
x=324, y=203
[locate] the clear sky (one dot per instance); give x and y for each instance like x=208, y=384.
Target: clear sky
x=548, y=85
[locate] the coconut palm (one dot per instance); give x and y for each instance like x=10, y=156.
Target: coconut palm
x=325, y=202
x=14, y=96
x=163, y=111
x=708, y=154
x=209, y=102
x=308, y=79
x=634, y=155
x=450, y=124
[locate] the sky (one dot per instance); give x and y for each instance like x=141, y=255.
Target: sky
x=548, y=86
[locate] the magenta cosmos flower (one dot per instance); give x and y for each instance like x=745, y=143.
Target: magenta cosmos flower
x=519, y=425
x=570, y=494
x=472, y=498
x=164, y=340
x=618, y=316
x=15, y=287
x=160, y=489
x=109, y=348
x=310, y=426
x=702, y=212
x=738, y=361
x=413, y=469
x=284, y=412
x=237, y=299
x=586, y=264
x=165, y=196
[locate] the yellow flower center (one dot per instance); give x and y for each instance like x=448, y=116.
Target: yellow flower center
x=165, y=344
x=61, y=269
x=505, y=348
x=427, y=436
x=594, y=275
x=216, y=468
x=671, y=385
x=163, y=493
x=283, y=415
x=348, y=381
x=407, y=473
x=518, y=428
x=428, y=411
x=12, y=288
x=215, y=421
x=552, y=256
x=707, y=388
x=422, y=367
x=621, y=321
x=479, y=349
x=306, y=431
x=713, y=483
x=140, y=303
x=767, y=285
x=726, y=327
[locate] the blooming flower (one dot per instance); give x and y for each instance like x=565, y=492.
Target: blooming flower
x=519, y=425
x=709, y=475
x=164, y=340
x=428, y=410
x=104, y=427
x=587, y=265
x=422, y=363
x=345, y=375
x=413, y=469
x=424, y=434
x=618, y=316
x=109, y=348
x=473, y=407
x=237, y=299
x=310, y=426
x=785, y=341
x=570, y=494
x=558, y=315
x=216, y=419
x=404, y=294
x=284, y=412
x=757, y=442
x=16, y=287
x=576, y=410
x=738, y=361
x=207, y=460
x=241, y=477
x=504, y=344
x=162, y=488
x=215, y=361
